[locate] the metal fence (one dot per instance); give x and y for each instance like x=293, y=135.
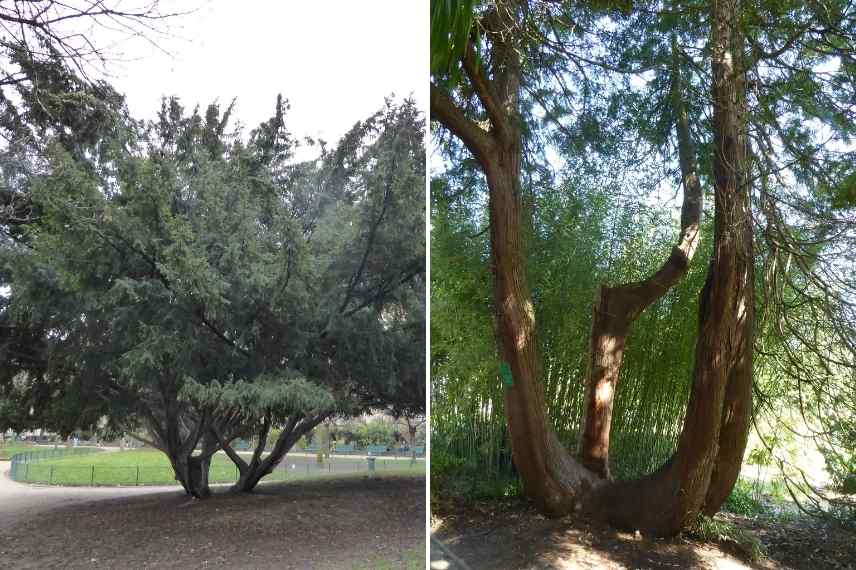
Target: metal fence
x=32, y=468
x=375, y=451
x=21, y=462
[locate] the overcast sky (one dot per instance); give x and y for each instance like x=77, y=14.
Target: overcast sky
x=335, y=61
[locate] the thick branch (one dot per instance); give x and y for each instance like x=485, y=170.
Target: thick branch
x=226, y=446
x=444, y=109
x=617, y=308
x=484, y=91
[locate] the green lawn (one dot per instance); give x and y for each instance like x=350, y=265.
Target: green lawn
x=151, y=467
x=7, y=451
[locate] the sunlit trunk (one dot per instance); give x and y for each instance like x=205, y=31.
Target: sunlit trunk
x=616, y=308
x=550, y=476
x=670, y=499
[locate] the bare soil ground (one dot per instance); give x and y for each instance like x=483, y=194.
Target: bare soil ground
x=323, y=524
x=512, y=535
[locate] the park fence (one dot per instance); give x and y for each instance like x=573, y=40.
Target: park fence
x=22, y=464
x=36, y=468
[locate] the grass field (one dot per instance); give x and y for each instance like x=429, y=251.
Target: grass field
x=151, y=467
x=7, y=451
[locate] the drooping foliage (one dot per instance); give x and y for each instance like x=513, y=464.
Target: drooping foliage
x=202, y=272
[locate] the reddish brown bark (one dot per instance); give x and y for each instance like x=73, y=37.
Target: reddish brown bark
x=737, y=404
x=670, y=499
x=616, y=308
x=734, y=427
x=550, y=476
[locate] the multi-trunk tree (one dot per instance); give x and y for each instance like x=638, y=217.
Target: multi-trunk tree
x=204, y=287
x=504, y=70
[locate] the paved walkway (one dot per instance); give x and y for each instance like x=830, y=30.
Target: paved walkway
x=20, y=501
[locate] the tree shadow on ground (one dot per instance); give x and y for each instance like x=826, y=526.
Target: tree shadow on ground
x=334, y=523
x=513, y=535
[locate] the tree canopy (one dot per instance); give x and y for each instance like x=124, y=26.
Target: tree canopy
x=203, y=285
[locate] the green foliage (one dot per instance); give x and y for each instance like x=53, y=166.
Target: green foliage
x=571, y=255
x=456, y=479
x=599, y=167
x=712, y=530
x=742, y=501
x=374, y=432
x=276, y=397
x=451, y=26
x=205, y=285
x=839, y=453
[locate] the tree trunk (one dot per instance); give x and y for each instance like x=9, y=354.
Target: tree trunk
x=733, y=149
x=192, y=473
x=734, y=428
x=616, y=308
x=670, y=499
x=253, y=472
x=177, y=438
x=550, y=476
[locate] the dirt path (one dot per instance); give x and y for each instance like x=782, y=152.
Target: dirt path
x=442, y=557
x=19, y=501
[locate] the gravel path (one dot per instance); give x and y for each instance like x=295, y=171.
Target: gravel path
x=19, y=501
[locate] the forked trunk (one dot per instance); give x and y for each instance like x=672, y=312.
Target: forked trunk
x=616, y=308
x=251, y=473
x=178, y=439
x=192, y=473
x=250, y=478
x=670, y=499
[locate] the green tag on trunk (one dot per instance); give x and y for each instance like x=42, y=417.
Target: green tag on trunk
x=505, y=374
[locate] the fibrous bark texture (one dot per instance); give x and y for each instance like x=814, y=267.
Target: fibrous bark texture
x=713, y=437
x=552, y=478
x=670, y=499
x=616, y=308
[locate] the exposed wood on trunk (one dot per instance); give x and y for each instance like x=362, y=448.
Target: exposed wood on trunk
x=616, y=308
